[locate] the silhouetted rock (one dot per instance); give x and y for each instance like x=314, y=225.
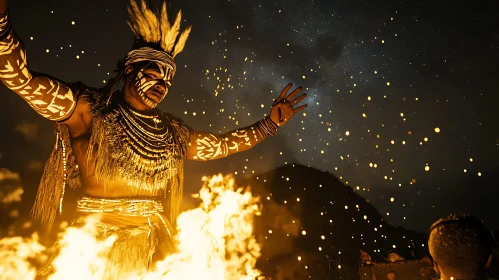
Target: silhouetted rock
x=312, y=224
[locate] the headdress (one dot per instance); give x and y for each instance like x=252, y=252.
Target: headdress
x=156, y=39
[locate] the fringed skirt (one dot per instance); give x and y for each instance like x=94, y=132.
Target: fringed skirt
x=143, y=235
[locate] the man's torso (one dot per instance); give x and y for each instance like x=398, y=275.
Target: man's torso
x=81, y=126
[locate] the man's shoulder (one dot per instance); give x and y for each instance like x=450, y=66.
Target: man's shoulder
x=80, y=87
x=178, y=126
x=85, y=98
x=90, y=100
x=172, y=118
x=87, y=94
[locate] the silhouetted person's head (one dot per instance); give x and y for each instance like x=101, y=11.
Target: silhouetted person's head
x=461, y=247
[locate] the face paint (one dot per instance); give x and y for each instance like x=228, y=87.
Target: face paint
x=143, y=83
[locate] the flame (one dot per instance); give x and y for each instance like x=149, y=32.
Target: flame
x=79, y=255
x=15, y=253
x=215, y=241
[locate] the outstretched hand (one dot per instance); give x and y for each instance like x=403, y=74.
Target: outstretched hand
x=283, y=108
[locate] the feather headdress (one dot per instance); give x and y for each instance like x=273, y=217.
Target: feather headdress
x=157, y=29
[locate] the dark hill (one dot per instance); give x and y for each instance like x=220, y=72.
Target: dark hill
x=311, y=214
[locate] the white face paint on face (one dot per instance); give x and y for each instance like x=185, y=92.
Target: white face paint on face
x=152, y=83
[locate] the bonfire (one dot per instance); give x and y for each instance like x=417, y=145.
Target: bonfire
x=215, y=241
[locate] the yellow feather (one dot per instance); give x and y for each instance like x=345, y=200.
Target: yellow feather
x=154, y=28
x=173, y=33
x=181, y=41
x=165, y=26
x=152, y=23
x=138, y=21
x=132, y=11
x=144, y=23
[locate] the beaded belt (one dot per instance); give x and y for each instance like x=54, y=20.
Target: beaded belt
x=122, y=206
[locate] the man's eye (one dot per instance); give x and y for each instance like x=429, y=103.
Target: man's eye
x=152, y=76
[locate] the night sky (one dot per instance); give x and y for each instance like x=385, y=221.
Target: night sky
x=402, y=96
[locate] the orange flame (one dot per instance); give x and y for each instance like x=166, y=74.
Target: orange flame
x=215, y=241
x=15, y=253
x=79, y=255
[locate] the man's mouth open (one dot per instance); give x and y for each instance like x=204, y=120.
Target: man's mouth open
x=156, y=95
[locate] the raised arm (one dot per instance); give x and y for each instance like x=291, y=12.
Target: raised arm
x=48, y=96
x=206, y=146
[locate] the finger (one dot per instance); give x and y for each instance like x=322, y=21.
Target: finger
x=292, y=94
x=283, y=93
x=298, y=99
x=300, y=108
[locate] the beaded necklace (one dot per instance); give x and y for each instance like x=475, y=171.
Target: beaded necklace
x=143, y=148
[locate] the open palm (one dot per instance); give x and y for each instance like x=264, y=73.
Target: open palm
x=284, y=108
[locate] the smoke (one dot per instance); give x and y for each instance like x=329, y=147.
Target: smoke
x=28, y=130
x=10, y=187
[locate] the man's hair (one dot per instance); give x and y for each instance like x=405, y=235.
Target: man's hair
x=120, y=75
x=461, y=243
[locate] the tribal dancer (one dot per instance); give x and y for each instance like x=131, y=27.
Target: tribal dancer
x=123, y=153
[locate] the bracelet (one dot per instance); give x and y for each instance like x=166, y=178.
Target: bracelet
x=266, y=127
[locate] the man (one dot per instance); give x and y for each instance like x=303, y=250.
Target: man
x=122, y=152
x=461, y=248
